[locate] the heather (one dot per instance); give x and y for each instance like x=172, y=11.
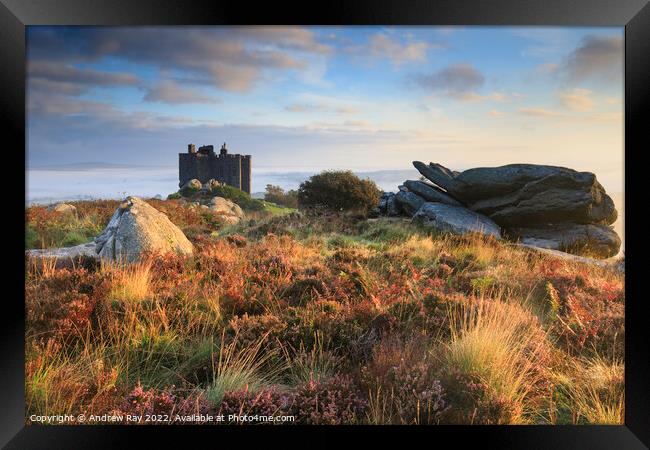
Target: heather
x=328, y=316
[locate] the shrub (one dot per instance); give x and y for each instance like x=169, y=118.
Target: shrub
x=401, y=378
x=269, y=402
x=277, y=195
x=63, y=304
x=336, y=401
x=140, y=402
x=338, y=190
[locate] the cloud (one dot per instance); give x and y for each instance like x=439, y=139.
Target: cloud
x=170, y=92
x=474, y=97
x=65, y=78
x=385, y=46
x=229, y=58
x=577, y=99
x=596, y=58
x=496, y=113
x=382, y=46
x=458, y=81
x=539, y=112
x=316, y=107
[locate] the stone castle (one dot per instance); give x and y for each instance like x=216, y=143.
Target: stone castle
x=204, y=164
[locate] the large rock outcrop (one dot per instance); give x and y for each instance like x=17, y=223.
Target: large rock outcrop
x=135, y=228
x=547, y=206
x=518, y=194
x=455, y=219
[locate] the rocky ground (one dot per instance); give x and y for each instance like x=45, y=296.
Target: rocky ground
x=166, y=308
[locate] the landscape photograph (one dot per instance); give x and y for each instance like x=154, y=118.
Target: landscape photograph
x=324, y=225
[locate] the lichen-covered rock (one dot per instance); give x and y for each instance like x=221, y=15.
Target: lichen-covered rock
x=226, y=210
x=430, y=192
x=559, y=197
x=211, y=185
x=486, y=182
x=455, y=219
x=137, y=227
x=63, y=208
x=66, y=257
x=595, y=240
x=409, y=202
x=388, y=206
x=438, y=175
x=191, y=187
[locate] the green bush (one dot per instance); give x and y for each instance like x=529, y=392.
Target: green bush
x=238, y=196
x=339, y=190
x=31, y=237
x=174, y=196
x=275, y=194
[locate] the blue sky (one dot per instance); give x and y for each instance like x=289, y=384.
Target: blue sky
x=365, y=98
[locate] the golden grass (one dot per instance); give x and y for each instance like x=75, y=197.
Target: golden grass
x=599, y=396
x=42, y=267
x=130, y=282
x=241, y=368
x=502, y=344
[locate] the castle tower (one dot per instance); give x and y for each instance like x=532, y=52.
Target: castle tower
x=204, y=164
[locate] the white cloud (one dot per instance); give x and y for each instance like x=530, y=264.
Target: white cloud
x=171, y=92
x=577, y=99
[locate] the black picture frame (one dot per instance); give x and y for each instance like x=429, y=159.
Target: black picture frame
x=634, y=15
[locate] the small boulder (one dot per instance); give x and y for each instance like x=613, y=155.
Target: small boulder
x=191, y=187
x=226, y=210
x=455, y=220
x=135, y=228
x=211, y=185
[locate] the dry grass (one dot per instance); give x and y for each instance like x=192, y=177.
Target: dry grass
x=130, y=282
x=503, y=345
x=238, y=368
x=598, y=397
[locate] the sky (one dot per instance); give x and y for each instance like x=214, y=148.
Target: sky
x=304, y=99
